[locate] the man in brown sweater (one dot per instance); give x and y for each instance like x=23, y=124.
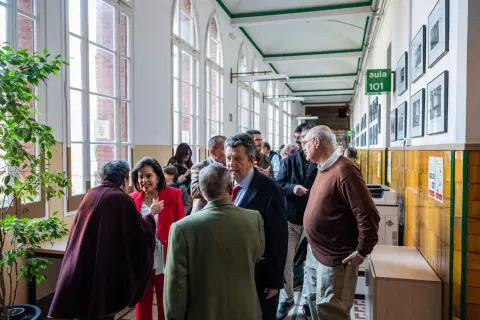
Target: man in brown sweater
x=341, y=224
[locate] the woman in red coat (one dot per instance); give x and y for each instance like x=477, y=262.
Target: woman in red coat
x=149, y=181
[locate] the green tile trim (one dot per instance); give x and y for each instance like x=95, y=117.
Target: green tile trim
x=251, y=41
x=463, y=284
x=324, y=76
x=452, y=233
x=327, y=95
x=294, y=10
x=326, y=103
x=311, y=53
x=274, y=69
x=365, y=33
x=286, y=84
x=327, y=90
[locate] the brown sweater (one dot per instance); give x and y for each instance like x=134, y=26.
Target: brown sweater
x=341, y=216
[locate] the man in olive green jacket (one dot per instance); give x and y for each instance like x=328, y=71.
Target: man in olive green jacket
x=210, y=270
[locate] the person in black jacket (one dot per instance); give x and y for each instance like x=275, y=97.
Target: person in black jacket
x=255, y=191
x=296, y=177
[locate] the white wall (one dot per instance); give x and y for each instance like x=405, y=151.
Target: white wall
x=153, y=75
x=401, y=22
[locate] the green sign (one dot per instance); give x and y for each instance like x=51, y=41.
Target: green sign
x=378, y=81
x=349, y=133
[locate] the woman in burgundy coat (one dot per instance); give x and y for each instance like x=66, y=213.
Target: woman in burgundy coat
x=149, y=181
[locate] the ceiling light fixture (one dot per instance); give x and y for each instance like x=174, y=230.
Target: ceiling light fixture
x=256, y=76
x=281, y=98
x=308, y=118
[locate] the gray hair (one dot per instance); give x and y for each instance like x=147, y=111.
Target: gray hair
x=242, y=139
x=288, y=150
x=214, y=180
x=115, y=172
x=325, y=134
x=214, y=141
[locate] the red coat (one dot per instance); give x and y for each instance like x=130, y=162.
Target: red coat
x=173, y=210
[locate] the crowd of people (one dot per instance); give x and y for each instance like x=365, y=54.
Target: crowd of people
x=257, y=218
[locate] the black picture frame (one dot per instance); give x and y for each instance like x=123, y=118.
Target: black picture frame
x=402, y=121
x=438, y=29
x=402, y=74
x=417, y=114
x=393, y=125
x=418, y=55
x=436, y=114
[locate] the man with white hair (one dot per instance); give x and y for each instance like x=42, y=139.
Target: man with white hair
x=340, y=222
x=210, y=271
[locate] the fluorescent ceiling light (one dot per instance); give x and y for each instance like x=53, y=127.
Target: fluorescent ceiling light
x=308, y=118
x=267, y=77
x=286, y=99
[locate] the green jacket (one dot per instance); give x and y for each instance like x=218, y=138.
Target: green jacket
x=265, y=163
x=210, y=269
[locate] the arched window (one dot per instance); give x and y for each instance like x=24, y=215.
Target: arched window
x=185, y=77
x=243, y=95
x=255, y=110
x=287, y=120
x=214, y=72
x=273, y=122
x=100, y=90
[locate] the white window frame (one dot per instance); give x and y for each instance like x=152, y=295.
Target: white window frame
x=183, y=45
x=287, y=121
x=211, y=67
x=255, y=99
x=244, y=105
x=87, y=141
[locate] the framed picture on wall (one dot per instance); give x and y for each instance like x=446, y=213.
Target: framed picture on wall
x=418, y=52
x=438, y=32
x=402, y=121
x=393, y=125
x=417, y=119
x=402, y=74
x=437, y=104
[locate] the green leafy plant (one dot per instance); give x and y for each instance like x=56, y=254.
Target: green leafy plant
x=24, y=173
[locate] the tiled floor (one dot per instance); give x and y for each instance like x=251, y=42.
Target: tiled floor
x=357, y=313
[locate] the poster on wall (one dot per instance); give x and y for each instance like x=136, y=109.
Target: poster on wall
x=439, y=180
x=435, y=178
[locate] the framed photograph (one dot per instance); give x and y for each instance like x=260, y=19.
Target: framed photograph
x=437, y=104
x=393, y=125
x=438, y=32
x=402, y=74
x=417, y=119
x=402, y=121
x=418, y=53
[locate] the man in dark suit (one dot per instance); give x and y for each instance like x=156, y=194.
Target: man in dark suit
x=296, y=177
x=255, y=191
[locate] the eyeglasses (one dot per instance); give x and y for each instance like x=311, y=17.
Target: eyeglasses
x=303, y=141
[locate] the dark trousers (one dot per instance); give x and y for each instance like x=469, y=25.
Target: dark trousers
x=269, y=306
x=109, y=318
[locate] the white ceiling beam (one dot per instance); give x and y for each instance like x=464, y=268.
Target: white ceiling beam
x=313, y=57
x=321, y=79
x=321, y=14
x=319, y=93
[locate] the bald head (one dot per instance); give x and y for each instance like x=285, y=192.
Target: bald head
x=215, y=182
x=326, y=136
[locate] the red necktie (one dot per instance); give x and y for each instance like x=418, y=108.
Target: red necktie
x=236, y=188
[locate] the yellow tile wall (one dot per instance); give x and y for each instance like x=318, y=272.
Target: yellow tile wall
x=473, y=236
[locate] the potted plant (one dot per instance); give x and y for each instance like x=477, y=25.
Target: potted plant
x=24, y=175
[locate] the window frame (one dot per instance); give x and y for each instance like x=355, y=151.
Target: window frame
x=192, y=50
x=244, y=105
x=119, y=8
x=287, y=121
x=255, y=99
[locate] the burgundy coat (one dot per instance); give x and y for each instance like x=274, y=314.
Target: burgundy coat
x=109, y=257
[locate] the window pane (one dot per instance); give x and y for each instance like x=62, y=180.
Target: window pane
x=187, y=129
x=213, y=129
x=101, y=71
x=186, y=28
x=176, y=128
x=124, y=92
x=75, y=60
x=26, y=6
x=186, y=98
x=76, y=167
x=99, y=154
x=176, y=105
x=26, y=33
x=186, y=6
x=76, y=115
x=101, y=23
x=175, y=19
x=124, y=121
x=124, y=50
x=175, y=62
x=125, y=153
x=213, y=108
x=214, y=82
x=186, y=67
x=3, y=24
x=102, y=115
x=74, y=16
x=208, y=78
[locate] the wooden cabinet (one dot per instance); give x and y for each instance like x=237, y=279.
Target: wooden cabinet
x=401, y=285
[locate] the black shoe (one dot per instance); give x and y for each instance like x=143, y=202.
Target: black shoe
x=306, y=311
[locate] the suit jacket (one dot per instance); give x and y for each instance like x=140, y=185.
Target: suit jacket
x=173, y=210
x=211, y=264
x=266, y=196
x=265, y=163
x=109, y=257
x=296, y=170
x=198, y=201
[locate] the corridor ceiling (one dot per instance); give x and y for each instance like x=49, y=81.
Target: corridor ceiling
x=317, y=43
